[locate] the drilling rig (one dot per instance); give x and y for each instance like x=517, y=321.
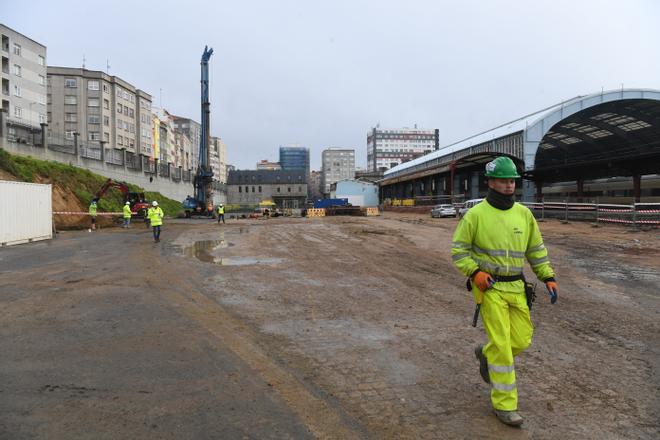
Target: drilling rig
x=202, y=202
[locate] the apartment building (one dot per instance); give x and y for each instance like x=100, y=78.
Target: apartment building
x=99, y=108
x=193, y=130
x=268, y=165
x=336, y=164
x=388, y=147
x=286, y=188
x=23, y=88
x=218, y=159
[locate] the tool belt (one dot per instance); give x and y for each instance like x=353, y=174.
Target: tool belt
x=530, y=288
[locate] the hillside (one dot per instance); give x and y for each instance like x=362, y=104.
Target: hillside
x=73, y=188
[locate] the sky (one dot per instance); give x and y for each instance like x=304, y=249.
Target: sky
x=322, y=73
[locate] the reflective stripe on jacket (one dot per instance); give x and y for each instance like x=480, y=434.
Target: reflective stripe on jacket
x=498, y=242
x=127, y=211
x=155, y=216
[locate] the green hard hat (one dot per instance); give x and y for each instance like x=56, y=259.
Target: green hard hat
x=502, y=168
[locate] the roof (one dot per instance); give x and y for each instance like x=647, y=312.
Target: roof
x=515, y=126
x=267, y=177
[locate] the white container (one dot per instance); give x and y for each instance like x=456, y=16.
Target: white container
x=26, y=212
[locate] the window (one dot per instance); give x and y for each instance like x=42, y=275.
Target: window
x=42, y=118
x=92, y=85
x=94, y=136
x=120, y=140
x=300, y=189
x=253, y=189
x=247, y=189
x=119, y=107
x=106, y=137
x=17, y=49
x=131, y=113
x=93, y=102
x=70, y=117
x=42, y=80
x=106, y=121
x=50, y=117
x=18, y=112
x=259, y=189
x=70, y=83
x=240, y=189
x=288, y=189
x=278, y=189
x=106, y=88
x=125, y=110
x=17, y=90
x=106, y=104
x=42, y=60
x=131, y=143
x=94, y=119
x=17, y=70
x=69, y=134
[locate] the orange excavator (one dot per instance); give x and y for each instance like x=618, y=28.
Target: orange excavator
x=138, y=203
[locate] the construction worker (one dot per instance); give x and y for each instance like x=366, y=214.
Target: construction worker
x=155, y=215
x=92, y=214
x=221, y=213
x=127, y=214
x=490, y=245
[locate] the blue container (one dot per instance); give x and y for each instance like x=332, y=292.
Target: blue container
x=326, y=203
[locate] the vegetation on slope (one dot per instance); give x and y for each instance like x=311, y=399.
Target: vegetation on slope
x=81, y=182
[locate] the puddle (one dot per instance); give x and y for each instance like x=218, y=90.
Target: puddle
x=204, y=251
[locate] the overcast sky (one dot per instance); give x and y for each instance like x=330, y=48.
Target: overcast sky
x=321, y=73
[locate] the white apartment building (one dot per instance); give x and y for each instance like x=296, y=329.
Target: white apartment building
x=23, y=89
x=388, y=147
x=218, y=159
x=336, y=164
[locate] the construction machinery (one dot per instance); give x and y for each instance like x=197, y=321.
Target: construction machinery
x=202, y=202
x=138, y=203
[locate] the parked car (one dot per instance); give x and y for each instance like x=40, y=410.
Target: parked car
x=443, y=211
x=467, y=205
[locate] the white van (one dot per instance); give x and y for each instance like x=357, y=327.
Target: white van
x=467, y=205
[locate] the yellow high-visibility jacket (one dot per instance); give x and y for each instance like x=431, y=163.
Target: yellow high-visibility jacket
x=127, y=211
x=498, y=242
x=155, y=216
x=92, y=210
x=221, y=209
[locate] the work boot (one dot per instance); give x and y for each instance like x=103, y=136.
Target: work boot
x=483, y=363
x=511, y=418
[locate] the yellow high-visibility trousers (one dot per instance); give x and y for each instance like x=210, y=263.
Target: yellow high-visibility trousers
x=509, y=328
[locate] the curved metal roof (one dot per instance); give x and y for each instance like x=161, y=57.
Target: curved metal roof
x=509, y=128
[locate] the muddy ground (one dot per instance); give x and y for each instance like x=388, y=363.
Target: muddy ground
x=315, y=328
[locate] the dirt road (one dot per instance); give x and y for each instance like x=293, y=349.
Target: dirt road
x=315, y=328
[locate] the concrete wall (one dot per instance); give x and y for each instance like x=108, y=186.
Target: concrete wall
x=150, y=182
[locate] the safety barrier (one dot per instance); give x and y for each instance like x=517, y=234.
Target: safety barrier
x=636, y=214
x=371, y=211
x=316, y=212
x=87, y=213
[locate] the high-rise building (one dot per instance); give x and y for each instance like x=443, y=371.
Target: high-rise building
x=23, y=83
x=337, y=164
x=314, y=187
x=387, y=148
x=294, y=158
x=99, y=107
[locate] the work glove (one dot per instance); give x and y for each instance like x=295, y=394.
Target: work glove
x=553, y=289
x=483, y=280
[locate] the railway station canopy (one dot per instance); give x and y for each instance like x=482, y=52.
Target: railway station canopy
x=613, y=133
